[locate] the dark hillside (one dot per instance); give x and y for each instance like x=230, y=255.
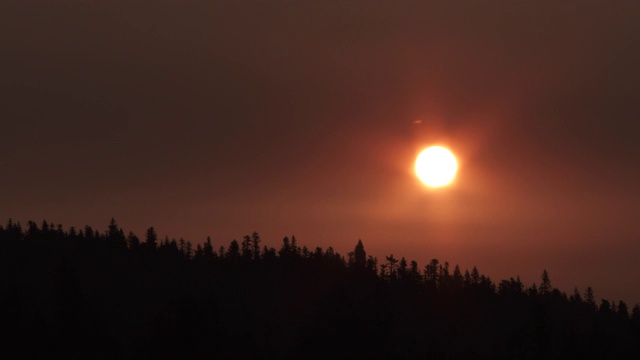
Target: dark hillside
x=88, y=294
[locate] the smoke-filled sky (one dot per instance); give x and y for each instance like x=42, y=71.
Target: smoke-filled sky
x=301, y=118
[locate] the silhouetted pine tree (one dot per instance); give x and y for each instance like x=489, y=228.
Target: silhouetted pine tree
x=151, y=240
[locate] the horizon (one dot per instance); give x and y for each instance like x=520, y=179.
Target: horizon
x=217, y=244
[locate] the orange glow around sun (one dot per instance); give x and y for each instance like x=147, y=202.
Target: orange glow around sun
x=436, y=166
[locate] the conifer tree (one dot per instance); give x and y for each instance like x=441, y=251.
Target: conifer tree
x=208, y=248
x=545, y=285
x=255, y=243
x=151, y=240
x=589, y=298
x=359, y=255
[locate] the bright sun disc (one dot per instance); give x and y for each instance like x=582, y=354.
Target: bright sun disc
x=436, y=166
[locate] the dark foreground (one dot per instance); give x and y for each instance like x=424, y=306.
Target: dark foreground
x=105, y=295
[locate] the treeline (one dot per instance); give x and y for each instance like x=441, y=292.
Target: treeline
x=82, y=293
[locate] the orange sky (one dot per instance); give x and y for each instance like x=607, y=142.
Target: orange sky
x=299, y=117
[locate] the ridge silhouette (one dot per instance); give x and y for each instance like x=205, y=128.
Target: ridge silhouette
x=86, y=294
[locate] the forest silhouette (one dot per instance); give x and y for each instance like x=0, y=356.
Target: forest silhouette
x=88, y=294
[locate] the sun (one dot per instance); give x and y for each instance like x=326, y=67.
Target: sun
x=436, y=166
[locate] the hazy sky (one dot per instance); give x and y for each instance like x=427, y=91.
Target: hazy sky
x=298, y=117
